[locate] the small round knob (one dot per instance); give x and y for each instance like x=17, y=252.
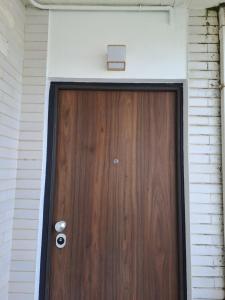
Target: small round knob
x=60, y=226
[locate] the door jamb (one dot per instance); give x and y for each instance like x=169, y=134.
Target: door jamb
x=50, y=171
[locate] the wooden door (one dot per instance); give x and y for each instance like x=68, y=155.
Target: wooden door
x=116, y=187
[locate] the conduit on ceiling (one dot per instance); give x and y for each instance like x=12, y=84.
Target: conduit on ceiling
x=127, y=8
x=78, y=7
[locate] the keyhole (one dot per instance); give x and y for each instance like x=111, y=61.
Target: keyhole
x=116, y=161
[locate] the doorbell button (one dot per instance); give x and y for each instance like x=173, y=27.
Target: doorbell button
x=60, y=240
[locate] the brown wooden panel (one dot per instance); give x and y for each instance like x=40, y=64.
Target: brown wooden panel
x=122, y=233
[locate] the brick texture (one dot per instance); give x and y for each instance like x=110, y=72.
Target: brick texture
x=28, y=185
x=11, y=65
x=205, y=157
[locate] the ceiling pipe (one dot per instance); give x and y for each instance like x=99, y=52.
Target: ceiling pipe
x=75, y=7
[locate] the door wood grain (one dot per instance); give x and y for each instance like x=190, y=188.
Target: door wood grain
x=115, y=185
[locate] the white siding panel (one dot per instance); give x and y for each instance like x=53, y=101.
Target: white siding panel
x=11, y=66
x=24, y=245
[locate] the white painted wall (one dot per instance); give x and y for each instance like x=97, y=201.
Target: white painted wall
x=155, y=49
x=11, y=61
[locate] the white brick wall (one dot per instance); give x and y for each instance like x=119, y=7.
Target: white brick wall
x=205, y=157
x=24, y=248
x=11, y=63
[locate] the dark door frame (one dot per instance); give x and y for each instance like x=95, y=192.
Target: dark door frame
x=50, y=171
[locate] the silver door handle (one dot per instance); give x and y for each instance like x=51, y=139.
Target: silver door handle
x=60, y=226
